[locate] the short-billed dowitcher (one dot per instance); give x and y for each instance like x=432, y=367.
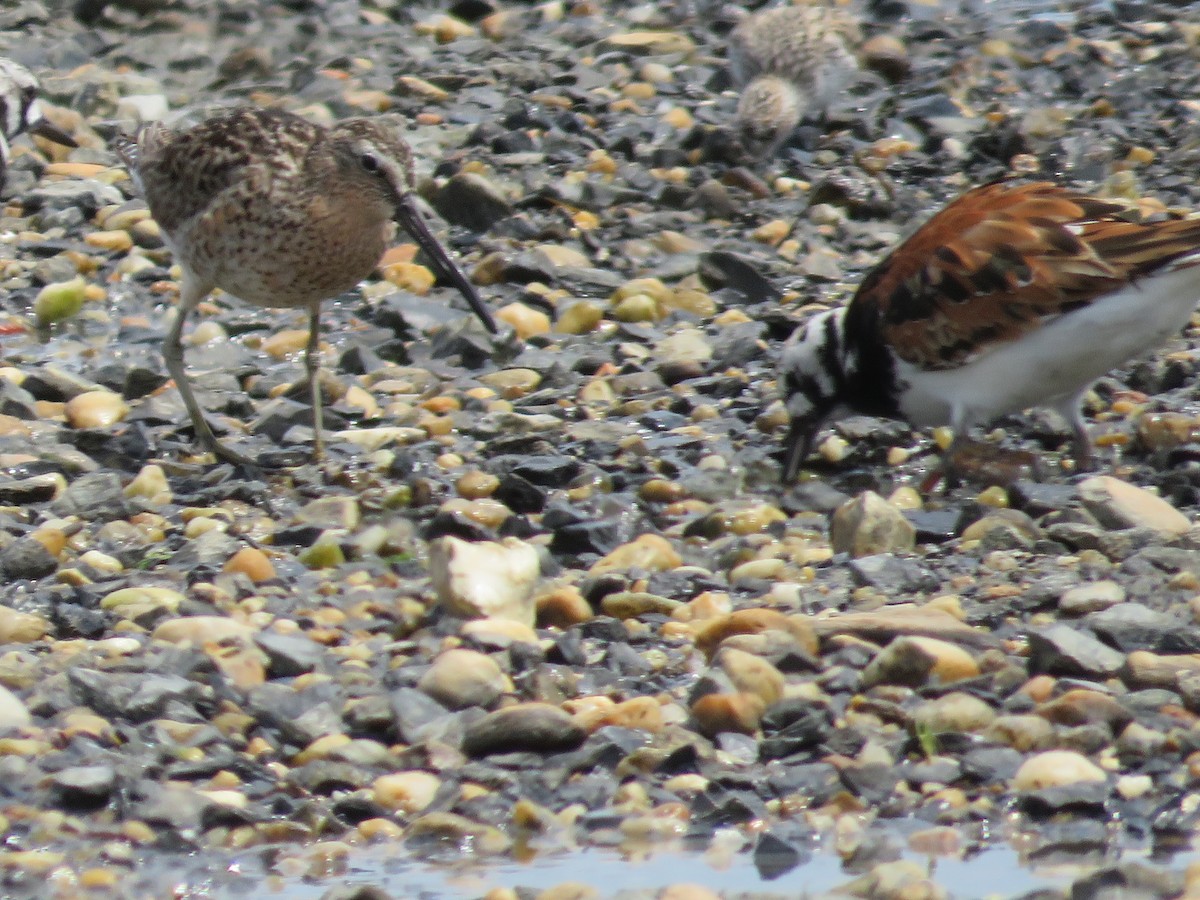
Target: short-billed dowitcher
x=788, y=61
x=20, y=111
x=278, y=211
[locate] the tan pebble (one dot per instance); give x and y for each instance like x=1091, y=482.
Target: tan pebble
x=772, y=232
x=512, y=383
x=1131, y=787
x=715, y=713
x=251, y=562
x=208, y=332
x=563, y=256
x=1119, y=504
x=659, y=43
x=640, y=90
x=322, y=748
x=53, y=539
x=867, y=525
x=127, y=600
x=688, y=892
x=753, y=519
x=755, y=621
x=242, y=664
x=659, y=490
x=696, y=301
x=462, y=678
x=359, y=399
x=442, y=404
x=449, y=461
x=655, y=73
x=525, y=320
x=569, y=890
x=151, y=485
x=757, y=570
x=199, y=630
x=34, y=862
x=95, y=409
x=50, y=409
x=638, y=308
x=707, y=605
x=648, y=551
x=678, y=117
x=631, y=604
x=1056, y=768
x=886, y=55
x=906, y=497
x=97, y=879
x=939, y=841
x=1023, y=733
x=562, y=607
x=918, y=661
x=597, y=392
x=21, y=628
x=686, y=784
x=1082, y=706
x=489, y=513
x=956, y=712
x=112, y=241
x=579, y=318
x=752, y=675
x=197, y=527
x=643, y=713
x=380, y=829
x=74, y=169
x=475, y=484
x=283, y=344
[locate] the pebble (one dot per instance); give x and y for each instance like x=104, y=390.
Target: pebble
x=867, y=525
x=1056, y=768
x=461, y=678
x=486, y=579
x=1119, y=504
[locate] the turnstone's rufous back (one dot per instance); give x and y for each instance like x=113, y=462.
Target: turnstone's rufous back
x=1013, y=296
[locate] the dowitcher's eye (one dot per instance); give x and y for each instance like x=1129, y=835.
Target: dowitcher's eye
x=369, y=161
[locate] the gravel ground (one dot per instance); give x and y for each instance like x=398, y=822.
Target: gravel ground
x=548, y=591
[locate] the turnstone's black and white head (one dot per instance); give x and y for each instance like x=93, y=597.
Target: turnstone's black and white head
x=20, y=112
x=1011, y=297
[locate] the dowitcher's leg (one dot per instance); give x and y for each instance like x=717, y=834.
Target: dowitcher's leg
x=312, y=362
x=191, y=292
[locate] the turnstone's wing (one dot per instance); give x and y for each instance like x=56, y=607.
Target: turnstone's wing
x=1001, y=260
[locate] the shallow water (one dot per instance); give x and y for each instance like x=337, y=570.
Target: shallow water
x=996, y=872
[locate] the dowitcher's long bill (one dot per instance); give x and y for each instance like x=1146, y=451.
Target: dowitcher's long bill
x=279, y=212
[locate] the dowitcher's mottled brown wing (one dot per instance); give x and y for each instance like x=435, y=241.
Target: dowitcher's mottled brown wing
x=181, y=173
x=1002, y=259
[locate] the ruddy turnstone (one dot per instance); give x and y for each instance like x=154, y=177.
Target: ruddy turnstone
x=279, y=212
x=1011, y=297
x=788, y=61
x=21, y=112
